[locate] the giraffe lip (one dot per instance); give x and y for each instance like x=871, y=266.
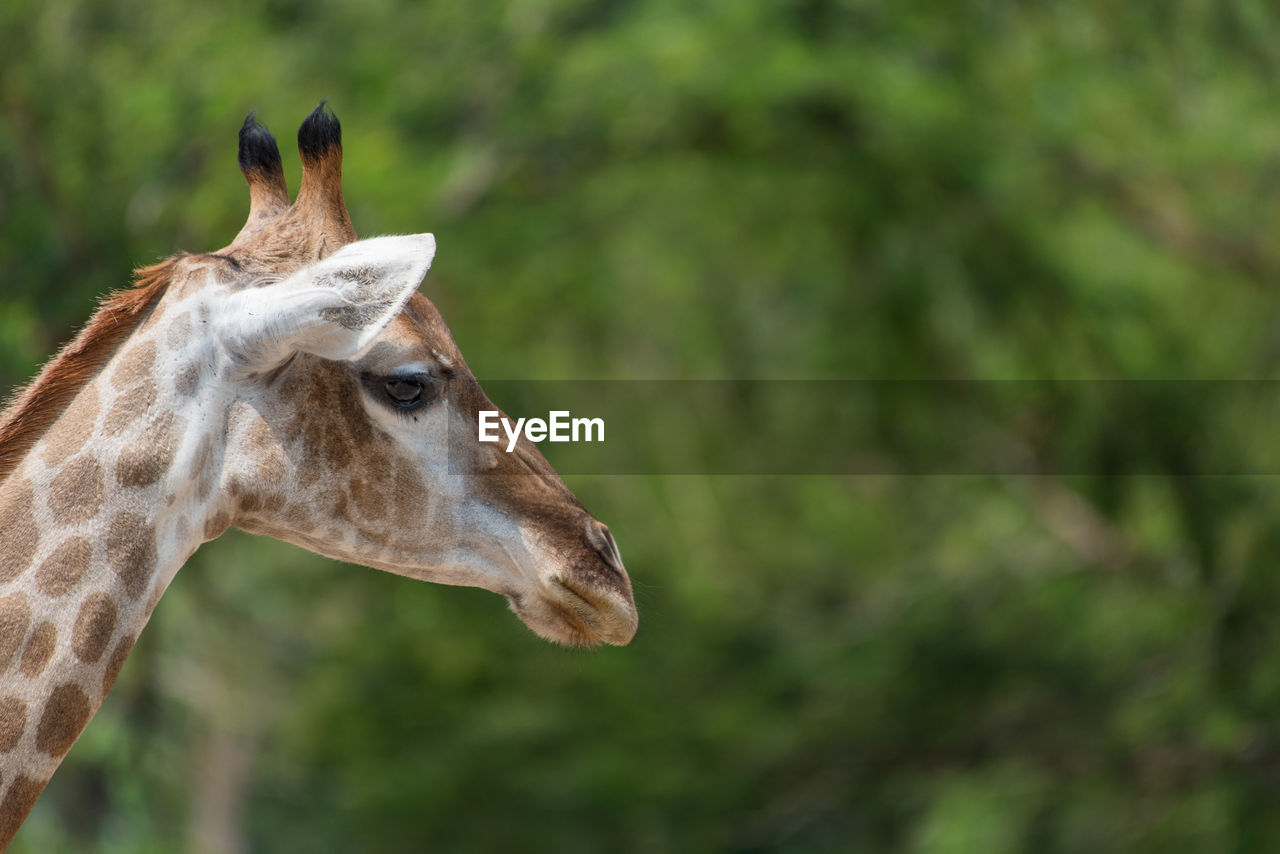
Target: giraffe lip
x=607, y=616
x=565, y=614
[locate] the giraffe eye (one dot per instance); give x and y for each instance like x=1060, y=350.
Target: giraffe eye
x=403, y=391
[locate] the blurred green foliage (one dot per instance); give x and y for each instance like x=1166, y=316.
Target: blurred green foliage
x=661, y=189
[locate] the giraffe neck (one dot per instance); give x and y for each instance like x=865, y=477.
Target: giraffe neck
x=94, y=524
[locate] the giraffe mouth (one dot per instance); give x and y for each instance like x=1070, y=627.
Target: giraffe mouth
x=574, y=616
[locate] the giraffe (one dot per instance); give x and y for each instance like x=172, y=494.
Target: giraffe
x=293, y=384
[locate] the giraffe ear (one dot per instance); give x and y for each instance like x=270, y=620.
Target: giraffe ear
x=335, y=307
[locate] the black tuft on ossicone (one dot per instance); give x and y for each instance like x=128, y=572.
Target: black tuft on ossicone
x=258, y=150
x=320, y=133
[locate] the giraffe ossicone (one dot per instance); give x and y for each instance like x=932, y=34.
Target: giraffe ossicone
x=293, y=384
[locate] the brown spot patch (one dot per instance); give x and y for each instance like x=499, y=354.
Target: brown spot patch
x=15, y=615
x=94, y=626
x=187, y=379
x=39, y=649
x=134, y=365
x=65, y=715
x=252, y=502
x=248, y=502
x=76, y=494
x=72, y=431
x=272, y=466
x=116, y=661
x=216, y=525
x=145, y=460
x=128, y=408
x=18, y=801
x=179, y=330
x=18, y=522
x=131, y=551
x=62, y=570
x=13, y=721
x=332, y=441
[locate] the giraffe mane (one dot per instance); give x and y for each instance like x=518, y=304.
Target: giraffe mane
x=32, y=409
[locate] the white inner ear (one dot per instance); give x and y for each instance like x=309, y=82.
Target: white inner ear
x=334, y=308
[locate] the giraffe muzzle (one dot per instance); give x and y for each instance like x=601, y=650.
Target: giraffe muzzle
x=592, y=615
x=587, y=602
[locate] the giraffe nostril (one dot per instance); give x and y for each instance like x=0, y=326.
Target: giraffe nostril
x=599, y=538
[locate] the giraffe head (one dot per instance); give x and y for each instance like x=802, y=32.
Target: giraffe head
x=351, y=415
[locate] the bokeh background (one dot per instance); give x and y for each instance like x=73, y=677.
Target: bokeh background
x=659, y=189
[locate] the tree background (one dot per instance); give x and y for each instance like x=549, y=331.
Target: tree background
x=770, y=190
